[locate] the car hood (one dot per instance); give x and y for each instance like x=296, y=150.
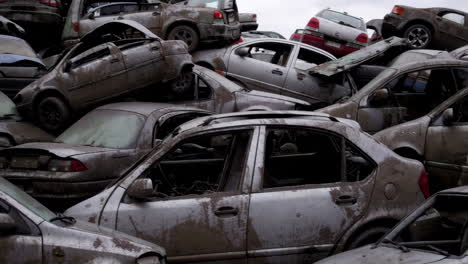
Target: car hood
x=23, y=132
x=117, y=27
x=277, y=97
x=357, y=58
x=59, y=149
x=383, y=254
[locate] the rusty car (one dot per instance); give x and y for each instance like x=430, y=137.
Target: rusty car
x=19, y=65
x=217, y=186
x=193, y=21
x=14, y=130
x=439, y=28
x=284, y=67
x=436, y=232
x=414, y=83
x=112, y=61
x=93, y=152
x=215, y=93
x=31, y=233
x=436, y=138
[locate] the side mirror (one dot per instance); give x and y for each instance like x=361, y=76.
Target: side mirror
x=447, y=117
x=244, y=51
x=379, y=97
x=141, y=189
x=7, y=224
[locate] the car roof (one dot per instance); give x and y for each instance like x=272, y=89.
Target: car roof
x=147, y=109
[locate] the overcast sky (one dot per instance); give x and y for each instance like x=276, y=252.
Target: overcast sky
x=285, y=16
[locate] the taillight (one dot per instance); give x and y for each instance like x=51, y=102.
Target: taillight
x=424, y=184
x=217, y=14
x=314, y=23
x=398, y=10
x=362, y=38
x=66, y=165
x=76, y=27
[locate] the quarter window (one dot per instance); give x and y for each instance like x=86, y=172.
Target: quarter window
x=454, y=17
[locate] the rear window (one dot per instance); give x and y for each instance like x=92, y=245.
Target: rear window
x=105, y=128
x=343, y=19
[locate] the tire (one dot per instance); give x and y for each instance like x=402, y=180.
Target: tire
x=52, y=114
x=367, y=237
x=418, y=36
x=183, y=84
x=186, y=34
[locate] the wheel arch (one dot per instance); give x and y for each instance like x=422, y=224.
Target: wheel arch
x=52, y=93
x=181, y=23
x=386, y=222
x=417, y=22
x=205, y=64
x=409, y=152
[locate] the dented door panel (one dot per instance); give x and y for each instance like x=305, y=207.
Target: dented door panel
x=373, y=120
x=20, y=249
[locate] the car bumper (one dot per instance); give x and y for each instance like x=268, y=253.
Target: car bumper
x=337, y=49
x=392, y=25
x=213, y=32
x=40, y=17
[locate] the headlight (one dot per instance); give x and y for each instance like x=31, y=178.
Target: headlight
x=148, y=260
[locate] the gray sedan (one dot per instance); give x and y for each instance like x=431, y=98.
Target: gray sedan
x=93, y=152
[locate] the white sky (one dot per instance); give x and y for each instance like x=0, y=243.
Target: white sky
x=285, y=16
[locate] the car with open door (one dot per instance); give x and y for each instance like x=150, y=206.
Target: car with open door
x=321, y=184
x=93, y=152
x=31, y=233
x=114, y=60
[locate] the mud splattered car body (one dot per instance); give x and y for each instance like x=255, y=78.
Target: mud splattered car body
x=104, y=65
x=438, y=139
x=223, y=183
x=203, y=20
x=435, y=233
x=93, y=152
x=33, y=234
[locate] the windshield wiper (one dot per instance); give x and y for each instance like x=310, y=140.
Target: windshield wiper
x=66, y=219
x=396, y=244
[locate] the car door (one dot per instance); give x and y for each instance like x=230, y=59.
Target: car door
x=453, y=29
x=200, y=205
x=264, y=67
x=23, y=245
x=304, y=198
x=446, y=151
x=313, y=88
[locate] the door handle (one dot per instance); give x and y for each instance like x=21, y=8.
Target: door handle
x=114, y=60
x=345, y=199
x=226, y=211
x=277, y=72
x=301, y=76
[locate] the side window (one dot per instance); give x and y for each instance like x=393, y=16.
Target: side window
x=307, y=59
x=204, y=90
x=108, y=10
x=23, y=225
x=90, y=56
x=163, y=130
x=461, y=78
x=295, y=157
x=460, y=111
x=202, y=165
x=274, y=53
x=454, y=17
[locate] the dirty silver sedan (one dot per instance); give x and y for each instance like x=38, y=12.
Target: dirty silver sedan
x=30, y=233
x=274, y=187
x=114, y=60
x=436, y=232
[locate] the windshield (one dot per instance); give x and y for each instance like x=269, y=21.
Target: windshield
x=344, y=19
x=441, y=225
x=105, y=128
x=25, y=200
x=203, y=3
x=12, y=45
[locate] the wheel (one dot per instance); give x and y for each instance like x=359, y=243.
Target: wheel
x=183, y=84
x=52, y=114
x=186, y=34
x=367, y=237
x=419, y=36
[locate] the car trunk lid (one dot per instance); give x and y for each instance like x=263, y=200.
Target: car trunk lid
x=338, y=33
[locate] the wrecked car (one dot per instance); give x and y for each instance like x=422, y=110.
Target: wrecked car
x=336, y=32
x=19, y=65
x=8, y=27
x=402, y=92
x=93, y=152
x=204, y=193
x=434, y=233
x=284, y=67
x=192, y=21
x=31, y=233
x=437, y=138
x=439, y=28
x=215, y=93
x=114, y=60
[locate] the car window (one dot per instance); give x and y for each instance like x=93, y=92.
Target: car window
x=23, y=225
x=90, y=55
x=307, y=59
x=454, y=17
x=105, y=128
x=161, y=131
x=296, y=157
x=274, y=53
x=201, y=165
